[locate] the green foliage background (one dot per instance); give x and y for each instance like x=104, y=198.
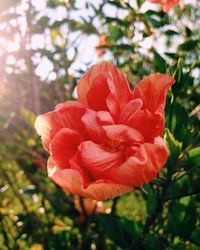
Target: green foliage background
x=35, y=213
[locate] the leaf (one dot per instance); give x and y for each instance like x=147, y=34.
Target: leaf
x=178, y=74
x=114, y=33
x=182, y=218
x=152, y=242
x=189, y=45
x=195, y=236
x=171, y=33
x=139, y=3
x=157, y=19
x=188, y=32
x=119, y=229
x=192, y=158
x=86, y=28
x=151, y=202
x=177, y=121
x=159, y=62
x=55, y=33
x=174, y=147
x=118, y=4
x=195, y=64
x=121, y=22
x=186, y=184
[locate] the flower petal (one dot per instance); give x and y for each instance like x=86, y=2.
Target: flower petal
x=93, y=122
x=72, y=181
x=97, y=160
x=129, y=111
x=66, y=115
x=144, y=165
x=150, y=125
x=116, y=81
x=98, y=93
x=122, y=134
x=152, y=90
x=64, y=145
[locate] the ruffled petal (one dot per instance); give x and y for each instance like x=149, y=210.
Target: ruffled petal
x=152, y=90
x=113, y=104
x=129, y=111
x=122, y=135
x=64, y=145
x=94, y=121
x=72, y=181
x=150, y=125
x=97, y=160
x=144, y=165
x=66, y=115
x=104, y=118
x=116, y=81
x=98, y=93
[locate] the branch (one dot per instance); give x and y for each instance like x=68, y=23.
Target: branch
x=114, y=205
x=183, y=195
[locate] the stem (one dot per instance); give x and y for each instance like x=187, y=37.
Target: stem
x=150, y=221
x=114, y=205
x=7, y=178
x=4, y=233
x=183, y=195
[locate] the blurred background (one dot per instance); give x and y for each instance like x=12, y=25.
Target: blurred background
x=45, y=47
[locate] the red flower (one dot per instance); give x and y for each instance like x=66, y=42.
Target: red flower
x=167, y=4
x=108, y=141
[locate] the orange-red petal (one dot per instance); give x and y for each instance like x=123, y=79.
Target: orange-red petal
x=72, y=181
x=144, y=165
x=66, y=115
x=152, y=91
x=115, y=82
x=64, y=145
x=98, y=160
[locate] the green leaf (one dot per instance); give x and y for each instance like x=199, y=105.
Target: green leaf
x=189, y=45
x=195, y=236
x=114, y=33
x=182, y=218
x=171, y=33
x=118, y=4
x=152, y=242
x=121, y=22
x=85, y=27
x=151, y=202
x=178, y=74
x=139, y=3
x=186, y=184
x=195, y=64
x=119, y=229
x=159, y=62
x=192, y=158
x=174, y=147
x=177, y=121
x=157, y=19
x=188, y=32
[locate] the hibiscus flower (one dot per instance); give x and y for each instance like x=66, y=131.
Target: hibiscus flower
x=109, y=140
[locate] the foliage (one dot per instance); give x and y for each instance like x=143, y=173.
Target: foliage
x=35, y=213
